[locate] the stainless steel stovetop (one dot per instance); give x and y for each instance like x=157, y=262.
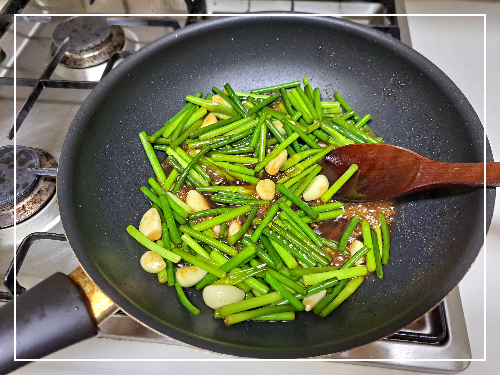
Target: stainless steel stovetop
x=45, y=128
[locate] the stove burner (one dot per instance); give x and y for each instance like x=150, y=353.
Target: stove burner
x=91, y=41
x=25, y=181
x=32, y=191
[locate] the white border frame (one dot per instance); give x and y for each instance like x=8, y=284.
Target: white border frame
x=251, y=359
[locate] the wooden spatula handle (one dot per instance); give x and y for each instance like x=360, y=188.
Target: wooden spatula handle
x=440, y=174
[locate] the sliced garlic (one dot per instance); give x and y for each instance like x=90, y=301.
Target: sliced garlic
x=318, y=186
x=279, y=126
x=234, y=227
x=216, y=230
x=152, y=262
x=150, y=224
x=354, y=247
x=313, y=300
x=189, y=275
x=209, y=120
x=274, y=165
x=196, y=201
x=266, y=189
x=216, y=296
x=219, y=99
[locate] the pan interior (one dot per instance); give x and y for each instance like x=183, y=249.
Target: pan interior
x=413, y=105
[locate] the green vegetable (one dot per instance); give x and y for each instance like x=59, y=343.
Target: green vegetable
x=273, y=254
x=150, y=153
x=208, y=240
x=234, y=159
x=162, y=276
x=212, y=106
x=386, y=240
x=349, y=289
x=297, y=201
x=294, y=159
x=195, y=246
x=283, y=86
x=264, y=311
x=275, y=152
x=216, y=125
x=348, y=231
x=188, y=168
x=150, y=245
x=339, y=183
x=343, y=103
x=191, y=125
x=184, y=300
x=367, y=239
x=303, y=226
x=225, y=129
x=183, y=163
x=242, y=257
x=204, y=264
x=284, y=292
x=308, y=162
x=340, y=274
x=231, y=139
x=209, y=212
x=262, y=104
x=378, y=262
x=169, y=219
x=287, y=258
x=239, y=107
x=235, y=237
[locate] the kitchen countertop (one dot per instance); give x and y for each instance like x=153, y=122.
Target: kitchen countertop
x=452, y=44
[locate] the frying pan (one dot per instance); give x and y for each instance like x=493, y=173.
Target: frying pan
x=414, y=105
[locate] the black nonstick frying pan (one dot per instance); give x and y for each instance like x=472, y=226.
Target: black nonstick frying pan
x=414, y=105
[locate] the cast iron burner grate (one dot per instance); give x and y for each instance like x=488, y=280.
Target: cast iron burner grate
x=66, y=44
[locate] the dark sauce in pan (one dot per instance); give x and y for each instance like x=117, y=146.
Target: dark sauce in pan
x=331, y=229
x=334, y=228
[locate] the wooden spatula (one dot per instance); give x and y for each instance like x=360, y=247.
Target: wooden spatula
x=387, y=171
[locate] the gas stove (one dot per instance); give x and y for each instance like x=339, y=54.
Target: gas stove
x=50, y=98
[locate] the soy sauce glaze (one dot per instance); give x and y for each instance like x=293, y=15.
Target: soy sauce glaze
x=331, y=229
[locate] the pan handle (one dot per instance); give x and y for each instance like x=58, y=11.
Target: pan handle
x=52, y=315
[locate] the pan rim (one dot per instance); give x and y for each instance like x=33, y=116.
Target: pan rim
x=107, y=84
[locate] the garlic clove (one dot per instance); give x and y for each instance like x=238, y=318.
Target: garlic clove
x=274, y=165
x=355, y=246
x=216, y=296
x=279, y=126
x=189, y=275
x=318, y=186
x=234, y=227
x=152, y=262
x=196, y=201
x=219, y=99
x=266, y=189
x=313, y=300
x=150, y=225
x=209, y=120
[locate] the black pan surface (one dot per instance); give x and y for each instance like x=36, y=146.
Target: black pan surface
x=414, y=105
